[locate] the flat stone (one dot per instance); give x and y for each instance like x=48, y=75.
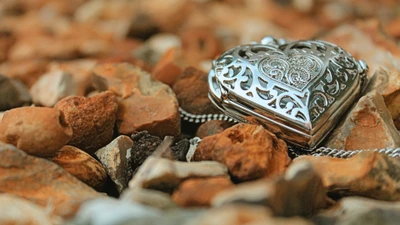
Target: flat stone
x=164, y=174
x=198, y=192
x=81, y=165
x=35, y=130
x=115, y=158
x=193, y=98
x=156, y=199
x=23, y=175
x=92, y=119
x=367, y=174
x=237, y=214
x=299, y=192
x=52, y=87
x=212, y=127
x=17, y=210
x=13, y=93
x=144, y=103
x=249, y=152
x=359, y=210
x=368, y=125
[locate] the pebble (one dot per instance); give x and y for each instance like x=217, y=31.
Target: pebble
x=299, y=192
x=249, y=152
x=36, y=130
x=13, y=93
x=170, y=66
x=52, y=87
x=115, y=158
x=81, y=165
x=92, y=119
x=368, y=125
x=191, y=89
x=153, y=198
x=367, y=174
x=144, y=103
x=27, y=71
x=164, y=174
x=212, y=127
x=144, y=145
x=198, y=192
x=42, y=182
x=17, y=210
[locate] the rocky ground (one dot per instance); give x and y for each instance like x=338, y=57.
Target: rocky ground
x=90, y=129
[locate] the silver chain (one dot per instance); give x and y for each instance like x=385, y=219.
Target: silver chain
x=295, y=152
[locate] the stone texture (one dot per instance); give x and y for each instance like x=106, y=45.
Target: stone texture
x=156, y=199
x=13, y=93
x=212, y=127
x=144, y=103
x=170, y=66
x=368, y=125
x=16, y=210
x=27, y=71
x=81, y=165
x=238, y=214
x=164, y=174
x=52, y=87
x=35, y=130
x=249, y=152
x=199, y=192
x=358, y=210
x=42, y=182
x=368, y=174
x=194, y=97
x=92, y=119
x=115, y=157
x=299, y=192
x=144, y=144
x=180, y=149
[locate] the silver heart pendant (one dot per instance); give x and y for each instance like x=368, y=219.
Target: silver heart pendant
x=297, y=90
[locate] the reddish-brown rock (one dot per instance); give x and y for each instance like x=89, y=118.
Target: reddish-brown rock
x=368, y=125
x=191, y=89
x=144, y=103
x=200, y=191
x=212, y=127
x=36, y=130
x=368, y=174
x=42, y=182
x=81, y=165
x=170, y=66
x=249, y=151
x=92, y=119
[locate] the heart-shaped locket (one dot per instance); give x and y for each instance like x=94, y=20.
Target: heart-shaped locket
x=297, y=90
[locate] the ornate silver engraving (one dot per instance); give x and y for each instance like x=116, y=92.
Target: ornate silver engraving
x=299, y=86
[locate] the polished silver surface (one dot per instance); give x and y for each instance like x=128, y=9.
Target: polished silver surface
x=298, y=90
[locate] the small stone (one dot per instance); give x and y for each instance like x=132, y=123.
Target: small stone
x=249, y=152
x=358, y=210
x=199, y=192
x=42, y=182
x=156, y=199
x=367, y=174
x=238, y=214
x=180, y=149
x=144, y=144
x=17, y=210
x=36, y=130
x=12, y=93
x=163, y=174
x=170, y=66
x=92, y=119
x=81, y=165
x=212, y=127
x=115, y=157
x=194, y=97
x=27, y=71
x=299, y=192
x=144, y=103
x=368, y=125
x=52, y=87
x=109, y=211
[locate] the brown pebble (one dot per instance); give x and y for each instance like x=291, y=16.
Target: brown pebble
x=168, y=69
x=92, y=119
x=36, y=130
